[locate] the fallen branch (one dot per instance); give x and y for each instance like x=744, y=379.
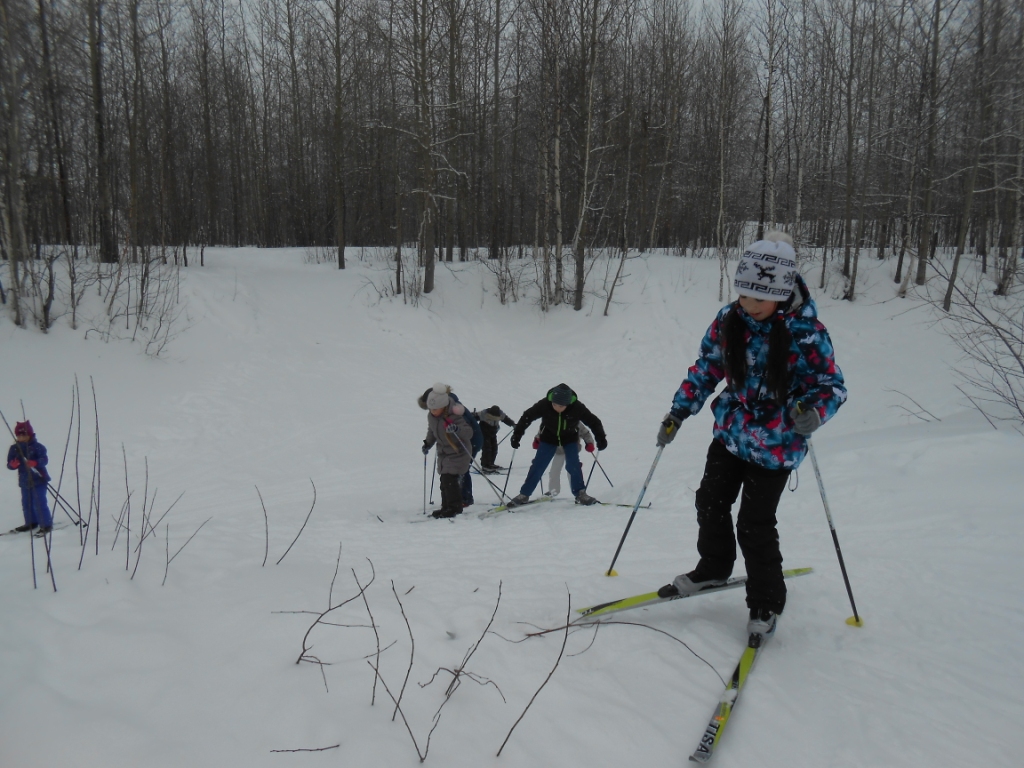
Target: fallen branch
x=605, y=622
x=315, y=749
x=305, y=655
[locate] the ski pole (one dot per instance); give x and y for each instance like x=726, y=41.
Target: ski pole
x=592, y=468
x=505, y=437
x=432, y=478
x=63, y=503
x=598, y=464
x=424, y=483
x=472, y=461
x=509, y=473
x=855, y=620
x=611, y=571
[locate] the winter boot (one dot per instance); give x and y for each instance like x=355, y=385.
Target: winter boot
x=23, y=528
x=688, y=584
x=585, y=499
x=518, y=501
x=451, y=497
x=761, y=625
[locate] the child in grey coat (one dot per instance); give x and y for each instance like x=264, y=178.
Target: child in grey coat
x=448, y=429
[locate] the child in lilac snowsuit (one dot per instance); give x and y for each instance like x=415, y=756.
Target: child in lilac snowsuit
x=782, y=383
x=28, y=457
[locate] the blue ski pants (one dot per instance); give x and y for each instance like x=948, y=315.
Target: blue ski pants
x=543, y=457
x=34, y=506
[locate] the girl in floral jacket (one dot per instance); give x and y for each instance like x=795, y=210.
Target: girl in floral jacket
x=782, y=383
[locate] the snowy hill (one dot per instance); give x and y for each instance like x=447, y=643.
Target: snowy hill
x=286, y=373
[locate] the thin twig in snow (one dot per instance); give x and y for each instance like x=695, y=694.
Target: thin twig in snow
x=561, y=651
x=373, y=623
x=412, y=651
x=303, y=524
x=266, y=528
x=181, y=548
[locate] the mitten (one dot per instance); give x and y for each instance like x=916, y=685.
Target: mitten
x=536, y=443
x=514, y=442
x=13, y=464
x=667, y=430
x=805, y=421
x=589, y=447
x=426, y=448
x=452, y=428
x=33, y=463
x=602, y=443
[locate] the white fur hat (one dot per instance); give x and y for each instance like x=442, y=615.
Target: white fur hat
x=767, y=268
x=438, y=396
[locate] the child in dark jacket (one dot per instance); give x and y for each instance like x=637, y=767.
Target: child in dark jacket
x=28, y=457
x=489, y=419
x=448, y=429
x=560, y=414
x=782, y=383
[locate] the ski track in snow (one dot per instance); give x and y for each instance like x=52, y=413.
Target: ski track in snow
x=290, y=372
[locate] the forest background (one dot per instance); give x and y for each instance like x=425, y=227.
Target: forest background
x=135, y=130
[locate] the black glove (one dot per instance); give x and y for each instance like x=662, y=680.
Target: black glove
x=426, y=448
x=602, y=443
x=805, y=420
x=514, y=442
x=669, y=426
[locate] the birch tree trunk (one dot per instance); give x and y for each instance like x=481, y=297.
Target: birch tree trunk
x=925, y=241
x=340, y=236
x=108, y=244
x=981, y=129
x=12, y=216
x=579, y=241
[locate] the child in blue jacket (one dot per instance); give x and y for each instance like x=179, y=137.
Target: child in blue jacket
x=782, y=383
x=28, y=457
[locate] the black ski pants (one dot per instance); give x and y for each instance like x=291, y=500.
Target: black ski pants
x=451, y=493
x=490, y=451
x=724, y=476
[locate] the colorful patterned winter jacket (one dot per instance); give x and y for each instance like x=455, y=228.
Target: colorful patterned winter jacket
x=749, y=422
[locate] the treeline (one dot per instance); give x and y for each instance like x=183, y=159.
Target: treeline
x=530, y=128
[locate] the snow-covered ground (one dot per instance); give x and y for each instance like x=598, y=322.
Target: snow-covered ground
x=290, y=372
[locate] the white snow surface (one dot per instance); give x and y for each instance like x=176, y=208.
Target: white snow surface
x=288, y=372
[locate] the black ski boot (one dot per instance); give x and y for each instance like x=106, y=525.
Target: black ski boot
x=451, y=497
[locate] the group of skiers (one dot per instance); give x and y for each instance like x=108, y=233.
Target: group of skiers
x=782, y=384
x=458, y=434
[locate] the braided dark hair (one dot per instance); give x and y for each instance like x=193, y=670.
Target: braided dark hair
x=735, y=349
